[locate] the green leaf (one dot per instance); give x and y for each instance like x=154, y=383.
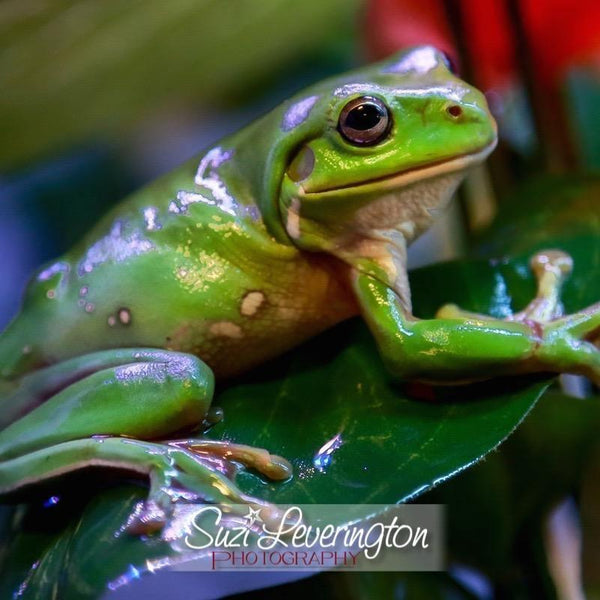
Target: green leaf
x=384, y=445
x=544, y=212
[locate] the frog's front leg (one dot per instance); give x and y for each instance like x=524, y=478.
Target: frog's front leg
x=462, y=346
x=76, y=410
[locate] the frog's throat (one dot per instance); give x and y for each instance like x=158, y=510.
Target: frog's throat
x=382, y=229
x=370, y=225
x=409, y=176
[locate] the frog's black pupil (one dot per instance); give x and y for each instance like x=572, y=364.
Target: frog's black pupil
x=364, y=117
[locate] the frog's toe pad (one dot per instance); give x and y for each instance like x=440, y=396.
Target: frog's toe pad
x=270, y=465
x=556, y=261
x=450, y=311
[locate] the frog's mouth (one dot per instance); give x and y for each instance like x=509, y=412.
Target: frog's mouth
x=417, y=174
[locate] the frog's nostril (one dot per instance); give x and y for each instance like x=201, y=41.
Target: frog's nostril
x=454, y=111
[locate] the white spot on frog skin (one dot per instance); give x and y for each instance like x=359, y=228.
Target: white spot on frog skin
x=207, y=177
x=253, y=212
x=49, y=272
x=124, y=316
x=292, y=223
x=83, y=291
x=353, y=88
x=453, y=93
x=115, y=246
x=297, y=113
x=142, y=371
x=150, y=217
x=251, y=302
x=50, y=294
x=419, y=61
x=226, y=329
x=174, y=206
x=184, y=199
x=89, y=307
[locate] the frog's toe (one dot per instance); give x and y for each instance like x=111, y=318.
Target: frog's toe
x=588, y=361
x=557, y=262
x=583, y=325
x=551, y=268
x=267, y=464
x=568, y=344
x=147, y=518
x=448, y=311
x=176, y=474
x=453, y=311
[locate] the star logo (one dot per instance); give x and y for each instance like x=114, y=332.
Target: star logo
x=253, y=516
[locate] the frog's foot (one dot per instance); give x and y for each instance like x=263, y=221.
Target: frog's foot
x=570, y=344
x=183, y=475
x=194, y=476
x=139, y=394
x=551, y=268
x=563, y=343
x=175, y=474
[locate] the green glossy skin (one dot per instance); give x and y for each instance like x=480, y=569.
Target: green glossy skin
x=283, y=230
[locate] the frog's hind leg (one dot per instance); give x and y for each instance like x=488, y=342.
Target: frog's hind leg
x=551, y=268
x=143, y=393
x=174, y=472
x=147, y=394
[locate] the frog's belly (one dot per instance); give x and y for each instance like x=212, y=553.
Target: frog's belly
x=269, y=324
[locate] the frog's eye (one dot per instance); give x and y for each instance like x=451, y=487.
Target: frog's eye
x=364, y=121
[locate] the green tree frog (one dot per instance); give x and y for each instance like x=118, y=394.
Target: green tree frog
x=291, y=225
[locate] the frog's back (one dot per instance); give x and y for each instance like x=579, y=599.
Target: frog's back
x=185, y=264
